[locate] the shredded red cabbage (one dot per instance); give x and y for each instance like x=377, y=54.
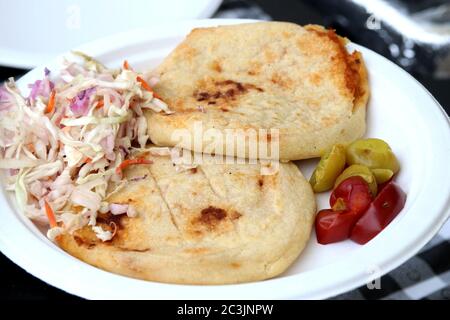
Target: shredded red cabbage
x=80, y=105
x=41, y=88
x=6, y=99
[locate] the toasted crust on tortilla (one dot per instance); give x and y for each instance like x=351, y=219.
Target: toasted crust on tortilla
x=265, y=75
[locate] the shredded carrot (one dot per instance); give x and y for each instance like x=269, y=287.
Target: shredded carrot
x=100, y=104
x=126, y=66
x=144, y=84
x=50, y=215
x=128, y=162
x=147, y=87
x=51, y=102
x=31, y=147
x=87, y=160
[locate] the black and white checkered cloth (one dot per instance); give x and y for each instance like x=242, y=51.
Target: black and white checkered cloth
x=424, y=276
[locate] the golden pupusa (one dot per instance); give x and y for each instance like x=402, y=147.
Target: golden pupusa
x=213, y=224
x=265, y=75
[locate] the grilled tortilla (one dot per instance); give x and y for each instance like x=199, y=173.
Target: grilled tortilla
x=213, y=224
x=265, y=75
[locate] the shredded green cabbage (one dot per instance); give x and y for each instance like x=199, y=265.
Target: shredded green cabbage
x=66, y=154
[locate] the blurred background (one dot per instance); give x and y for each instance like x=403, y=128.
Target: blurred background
x=414, y=34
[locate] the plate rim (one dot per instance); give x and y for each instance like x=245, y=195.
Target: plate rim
x=228, y=291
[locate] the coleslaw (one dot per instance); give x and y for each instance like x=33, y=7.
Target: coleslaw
x=64, y=145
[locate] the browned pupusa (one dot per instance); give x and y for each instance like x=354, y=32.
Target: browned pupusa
x=213, y=224
x=299, y=80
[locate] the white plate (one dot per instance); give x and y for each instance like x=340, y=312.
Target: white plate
x=33, y=32
x=401, y=111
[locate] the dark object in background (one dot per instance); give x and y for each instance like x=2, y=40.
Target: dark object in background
x=414, y=34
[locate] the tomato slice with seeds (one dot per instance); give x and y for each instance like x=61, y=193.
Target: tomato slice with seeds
x=386, y=206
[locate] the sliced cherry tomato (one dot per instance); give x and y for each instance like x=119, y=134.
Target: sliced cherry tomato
x=334, y=226
x=388, y=203
x=352, y=194
x=349, y=201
